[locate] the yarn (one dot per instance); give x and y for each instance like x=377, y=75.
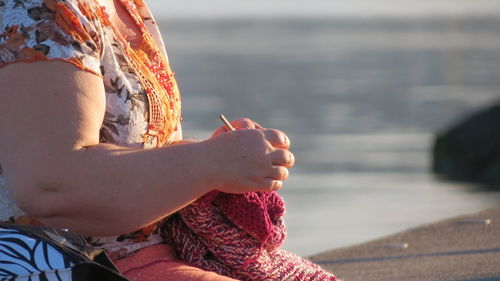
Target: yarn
x=239, y=236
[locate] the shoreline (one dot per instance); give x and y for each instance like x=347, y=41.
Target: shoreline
x=463, y=248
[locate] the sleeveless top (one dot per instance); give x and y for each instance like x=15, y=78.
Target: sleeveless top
x=142, y=97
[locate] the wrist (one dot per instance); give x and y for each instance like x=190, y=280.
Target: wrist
x=211, y=160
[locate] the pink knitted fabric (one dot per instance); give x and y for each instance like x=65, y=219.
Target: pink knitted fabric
x=238, y=236
x=260, y=214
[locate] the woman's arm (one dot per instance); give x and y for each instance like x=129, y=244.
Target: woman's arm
x=50, y=116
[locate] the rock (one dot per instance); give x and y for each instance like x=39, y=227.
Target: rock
x=470, y=150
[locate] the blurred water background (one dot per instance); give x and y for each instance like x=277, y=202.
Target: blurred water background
x=361, y=87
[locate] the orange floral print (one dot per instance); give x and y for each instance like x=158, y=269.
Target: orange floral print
x=32, y=54
x=67, y=20
x=16, y=40
x=10, y=30
x=76, y=60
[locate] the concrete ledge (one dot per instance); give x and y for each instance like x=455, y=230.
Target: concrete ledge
x=465, y=248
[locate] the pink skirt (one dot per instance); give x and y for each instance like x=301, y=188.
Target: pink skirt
x=159, y=263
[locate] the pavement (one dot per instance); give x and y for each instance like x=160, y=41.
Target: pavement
x=465, y=248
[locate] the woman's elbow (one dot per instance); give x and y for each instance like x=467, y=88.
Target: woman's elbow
x=36, y=197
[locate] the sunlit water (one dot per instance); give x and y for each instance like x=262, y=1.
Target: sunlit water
x=361, y=101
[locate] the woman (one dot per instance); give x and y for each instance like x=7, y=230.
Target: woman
x=86, y=88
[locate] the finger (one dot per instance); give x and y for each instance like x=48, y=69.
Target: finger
x=269, y=184
x=277, y=138
x=239, y=124
x=282, y=157
x=219, y=131
x=245, y=124
x=278, y=173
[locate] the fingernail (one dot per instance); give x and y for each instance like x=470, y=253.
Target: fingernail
x=277, y=185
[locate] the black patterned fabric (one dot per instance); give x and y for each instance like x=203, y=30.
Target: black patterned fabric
x=45, y=254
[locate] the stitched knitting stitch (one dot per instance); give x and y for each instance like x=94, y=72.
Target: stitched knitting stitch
x=239, y=236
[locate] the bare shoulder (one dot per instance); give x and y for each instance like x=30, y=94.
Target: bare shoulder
x=41, y=75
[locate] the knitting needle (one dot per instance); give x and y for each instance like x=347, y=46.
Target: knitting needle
x=228, y=125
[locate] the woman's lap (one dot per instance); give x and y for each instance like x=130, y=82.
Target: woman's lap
x=159, y=263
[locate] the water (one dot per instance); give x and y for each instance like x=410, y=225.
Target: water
x=361, y=100
x=315, y=8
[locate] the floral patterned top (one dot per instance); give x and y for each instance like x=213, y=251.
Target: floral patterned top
x=142, y=97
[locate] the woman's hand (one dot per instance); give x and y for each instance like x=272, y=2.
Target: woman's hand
x=250, y=159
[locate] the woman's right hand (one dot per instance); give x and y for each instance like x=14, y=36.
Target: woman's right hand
x=250, y=160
